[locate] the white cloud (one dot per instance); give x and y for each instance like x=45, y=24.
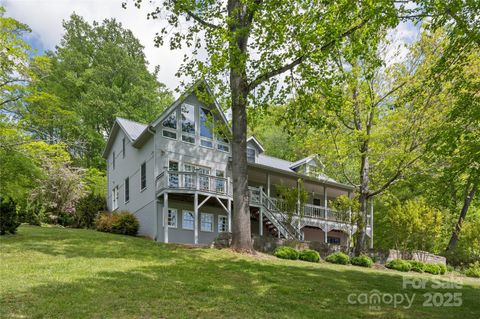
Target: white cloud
x=45, y=19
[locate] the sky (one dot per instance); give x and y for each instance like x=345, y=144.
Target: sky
x=45, y=18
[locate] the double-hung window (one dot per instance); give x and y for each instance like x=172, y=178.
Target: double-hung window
x=170, y=125
x=172, y=218
x=333, y=240
x=206, y=223
x=188, y=123
x=222, y=143
x=143, y=176
x=222, y=223
x=188, y=221
x=204, y=176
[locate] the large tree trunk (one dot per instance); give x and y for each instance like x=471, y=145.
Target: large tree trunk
x=452, y=244
x=363, y=200
x=241, y=232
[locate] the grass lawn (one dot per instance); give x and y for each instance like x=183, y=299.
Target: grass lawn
x=74, y=273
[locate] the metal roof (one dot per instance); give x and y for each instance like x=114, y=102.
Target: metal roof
x=131, y=128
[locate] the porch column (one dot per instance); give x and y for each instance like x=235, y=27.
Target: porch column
x=299, y=209
x=325, y=230
x=371, y=223
x=325, y=194
x=260, y=231
x=195, y=211
x=165, y=217
x=229, y=215
x=268, y=184
x=349, y=220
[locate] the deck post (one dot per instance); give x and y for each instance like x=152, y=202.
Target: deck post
x=349, y=220
x=371, y=223
x=260, y=231
x=165, y=217
x=195, y=210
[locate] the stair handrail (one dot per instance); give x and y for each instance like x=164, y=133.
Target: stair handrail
x=271, y=206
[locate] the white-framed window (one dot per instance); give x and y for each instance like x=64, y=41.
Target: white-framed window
x=115, y=198
x=173, y=178
x=206, y=128
x=170, y=125
x=143, y=176
x=187, y=120
x=222, y=223
x=333, y=240
x=188, y=220
x=250, y=155
x=222, y=143
x=223, y=147
x=172, y=218
x=206, y=222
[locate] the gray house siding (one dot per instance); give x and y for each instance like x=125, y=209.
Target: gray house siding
x=141, y=202
x=186, y=236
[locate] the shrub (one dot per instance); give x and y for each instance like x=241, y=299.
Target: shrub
x=285, y=252
x=88, y=208
x=417, y=266
x=399, y=264
x=338, y=258
x=124, y=223
x=8, y=216
x=473, y=270
x=434, y=269
x=443, y=269
x=309, y=255
x=362, y=261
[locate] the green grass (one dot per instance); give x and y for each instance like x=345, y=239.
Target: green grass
x=73, y=273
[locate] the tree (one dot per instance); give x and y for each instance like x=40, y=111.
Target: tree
x=96, y=73
x=251, y=43
x=8, y=216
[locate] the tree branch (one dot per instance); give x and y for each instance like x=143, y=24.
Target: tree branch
x=195, y=16
x=270, y=74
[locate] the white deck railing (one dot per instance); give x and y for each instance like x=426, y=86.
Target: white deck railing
x=193, y=181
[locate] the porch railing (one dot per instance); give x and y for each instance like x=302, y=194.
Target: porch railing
x=194, y=181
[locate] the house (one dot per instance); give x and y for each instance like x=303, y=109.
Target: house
x=175, y=175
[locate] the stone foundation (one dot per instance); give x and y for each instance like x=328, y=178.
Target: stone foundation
x=384, y=257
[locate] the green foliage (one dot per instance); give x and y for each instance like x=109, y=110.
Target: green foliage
x=467, y=250
x=417, y=266
x=338, y=258
x=291, y=197
x=412, y=225
x=473, y=270
x=124, y=223
x=8, y=216
x=285, y=252
x=399, y=264
x=95, y=181
x=87, y=209
x=362, y=261
x=96, y=73
x=309, y=255
x=433, y=269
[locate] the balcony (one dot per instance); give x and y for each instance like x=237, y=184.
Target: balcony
x=193, y=181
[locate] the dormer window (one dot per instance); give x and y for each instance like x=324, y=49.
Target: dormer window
x=250, y=155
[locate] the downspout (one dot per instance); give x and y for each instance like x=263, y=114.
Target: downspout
x=155, y=173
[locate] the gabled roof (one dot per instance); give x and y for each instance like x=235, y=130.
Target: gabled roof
x=200, y=83
x=256, y=142
x=302, y=161
x=131, y=129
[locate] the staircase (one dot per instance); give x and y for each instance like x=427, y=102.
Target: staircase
x=273, y=218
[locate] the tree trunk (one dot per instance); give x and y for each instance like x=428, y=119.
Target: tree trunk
x=452, y=244
x=241, y=232
x=363, y=200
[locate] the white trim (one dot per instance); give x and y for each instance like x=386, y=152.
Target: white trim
x=252, y=138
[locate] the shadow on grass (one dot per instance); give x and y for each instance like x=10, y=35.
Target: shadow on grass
x=189, y=283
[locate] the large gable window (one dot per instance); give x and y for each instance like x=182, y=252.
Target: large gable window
x=188, y=119
x=206, y=124
x=170, y=125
